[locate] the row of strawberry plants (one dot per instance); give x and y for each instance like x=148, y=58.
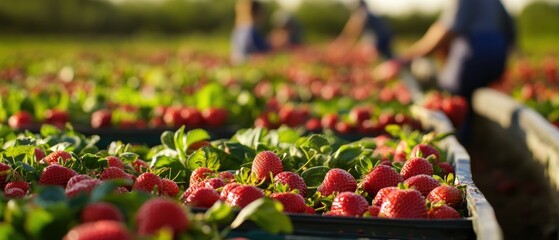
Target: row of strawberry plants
x=389, y=177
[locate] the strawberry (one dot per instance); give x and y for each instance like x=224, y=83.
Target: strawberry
x=173, y=118
x=56, y=175
x=451, y=195
x=53, y=157
x=422, y=183
x=115, y=162
x=329, y=121
x=403, y=204
x=227, y=177
x=120, y=190
x=39, y=154
x=337, y=180
x=14, y=193
x=424, y=151
x=380, y=177
x=443, y=212
x=158, y=213
x=265, y=163
x=381, y=195
x=292, y=203
x=101, y=118
x=20, y=120
x=343, y=127
x=84, y=186
x=293, y=181
x=199, y=174
x=415, y=166
x=374, y=211
x=350, y=204
x=400, y=154
x=4, y=171
x=309, y=210
x=203, y=197
x=56, y=117
x=214, y=116
x=139, y=165
x=243, y=195
x=197, y=145
x=113, y=173
x=358, y=115
x=192, y=117
x=291, y=117
x=18, y=184
x=147, y=182
x=101, y=211
x=226, y=189
x=168, y=188
x=106, y=230
x=214, y=183
x=383, y=152
x=445, y=168
x=313, y=125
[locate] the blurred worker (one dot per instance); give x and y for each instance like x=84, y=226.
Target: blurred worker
x=246, y=39
x=480, y=34
x=287, y=31
x=363, y=21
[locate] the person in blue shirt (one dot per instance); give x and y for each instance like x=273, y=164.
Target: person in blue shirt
x=479, y=35
x=363, y=21
x=287, y=32
x=246, y=39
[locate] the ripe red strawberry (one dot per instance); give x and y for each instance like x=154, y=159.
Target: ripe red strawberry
x=415, y=166
x=56, y=175
x=101, y=118
x=192, y=117
x=374, y=211
x=380, y=177
x=226, y=189
x=310, y=210
x=168, y=188
x=115, y=162
x=243, y=195
x=114, y=173
x=358, y=115
x=18, y=184
x=197, y=145
x=424, y=151
x=158, y=213
x=445, y=168
x=400, y=152
x=333, y=213
x=381, y=195
x=443, y=212
x=14, y=193
x=39, y=154
x=199, y=174
x=56, y=155
x=227, y=177
x=313, y=125
x=215, y=116
x=337, y=180
x=265, y=163
x=203, y=197
x=451, y=195
x=262, y=121
x=214, y=183
x=292, y=203
x=101, y=211
x=20, y=120
x=403, y=204
x=106, y=230
x=291, y=117
x=350, y=204
x=292, y=180
x=343, y=127
x=329, y=121
x=56, y=117
x=384, y=152
x=139, y=165
x=84, y=186
x=4, y=171
x=173, y=118
x=147, y=182
x=422, y=183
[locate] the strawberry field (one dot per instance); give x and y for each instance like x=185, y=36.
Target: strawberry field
x=167, y=142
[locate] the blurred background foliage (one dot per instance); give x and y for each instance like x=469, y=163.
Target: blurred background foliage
x=319, y=18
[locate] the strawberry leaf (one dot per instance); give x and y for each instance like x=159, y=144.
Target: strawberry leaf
x=267, y=214
x=196, y=135
x=314, y=176
x=218, y=213
x=7, y=231
x=167, y=140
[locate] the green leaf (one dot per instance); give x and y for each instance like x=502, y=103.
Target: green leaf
x=219, y=212
x=204, y=157
x=196, y=135
x=345, y=157
x=394, y=130
x=93, y=161
x=7, y=231
x=15, y=151
x=36, y=220
x=314, y=176
x=288, y=135
x=101, y=191
x=316, y=141
x=128, y=157
x=167, y=139
x=172, y=166
x=48, y=195
x=49, y=130
x=267, y=214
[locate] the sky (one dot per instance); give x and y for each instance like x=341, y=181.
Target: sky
x=399, y=7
